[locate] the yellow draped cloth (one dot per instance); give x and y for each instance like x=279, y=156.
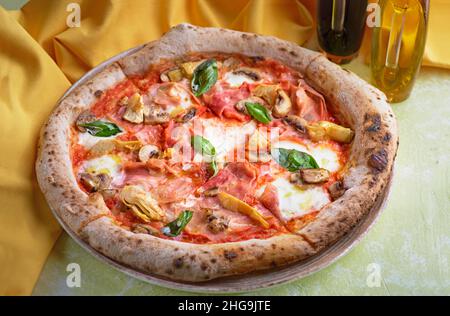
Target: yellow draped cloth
x=40, y=56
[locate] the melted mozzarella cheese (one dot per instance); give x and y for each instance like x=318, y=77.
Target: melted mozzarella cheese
x=235, y=80
x=109, y=164
x=325, y=156
x=225, y=138
x=88, y=141
x=295, y=202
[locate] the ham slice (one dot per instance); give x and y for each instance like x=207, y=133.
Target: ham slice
x=310, y=105
x=222, y=100
x=269, y=199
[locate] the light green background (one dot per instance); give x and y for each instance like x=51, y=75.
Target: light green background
x=410, y=243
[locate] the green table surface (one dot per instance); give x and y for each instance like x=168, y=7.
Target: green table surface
x=409, y=245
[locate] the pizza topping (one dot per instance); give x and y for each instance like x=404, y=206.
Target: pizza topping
x=216, y=224
x=144, y=229
x=189, y=68
x=310, y=105
x=241, y=105
x=251, y=73
x=101, y=128
x=234, y=204
x=141, y=203
x=175, y=228
x=172, y=75
x=95, y=182
x=267, y=92
x=84, y=118
x=203, y=146
x=190, y=114
x=258, y=112
x=293, y=160
x=282, y=105
x=324, y=130
x=204, y=77
x=135, y=109
x=148, y=151
x=336, y=190
x=296, y=122
x=155, y=116
x=315, y=176
x=211, y=192
x=107, y=146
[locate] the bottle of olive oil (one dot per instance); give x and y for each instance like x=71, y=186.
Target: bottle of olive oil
x=398, y=45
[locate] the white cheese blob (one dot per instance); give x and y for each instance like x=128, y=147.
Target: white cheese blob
x=88, y=141
x=295, y=202
x=235, y=80
x=109, y=164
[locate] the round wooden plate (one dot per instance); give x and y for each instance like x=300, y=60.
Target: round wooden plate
x=247, y=282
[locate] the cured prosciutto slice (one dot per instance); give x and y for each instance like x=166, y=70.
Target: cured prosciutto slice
x=310, y=105
x=221, y=101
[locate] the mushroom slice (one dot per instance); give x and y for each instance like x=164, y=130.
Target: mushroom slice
x=172, y=75
x=315, y=176
x=234, y=204
x=336, y=190
x=241, y=107
x=267, y=92
x=283, y=104
x=135, y=109
x=84, y=118
x=231, y=63
x=250, y=73
x=296, y=122
x=155, y=115
x=211, y=192
x=141, y=203
x=144, y=229
x=95, y=182
x=148, y=151
x=190, y=114
x=296, y=179
x=216, y=224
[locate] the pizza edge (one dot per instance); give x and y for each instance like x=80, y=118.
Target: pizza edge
x=364, y=107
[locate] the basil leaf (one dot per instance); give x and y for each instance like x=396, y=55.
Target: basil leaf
x=258, y=112
x=213, y=167
x=175, y=228
x=293, y=160
x=101, y=128
x=202, y=145
x=204, y=78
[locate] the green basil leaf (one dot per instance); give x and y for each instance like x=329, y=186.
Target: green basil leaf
x=214, y=168
x=175, y=228
x=101, y=128
x=205, y=77
x=203, y=146
x=293, y=160
x=258, y=112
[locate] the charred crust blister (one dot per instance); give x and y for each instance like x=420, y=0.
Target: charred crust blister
x=378, y=160
x=373, y=121
x=230, y=255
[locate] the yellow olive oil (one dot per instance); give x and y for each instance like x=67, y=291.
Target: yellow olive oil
x=398, y=45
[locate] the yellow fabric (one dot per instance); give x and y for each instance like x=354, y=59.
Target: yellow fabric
x=40, y=56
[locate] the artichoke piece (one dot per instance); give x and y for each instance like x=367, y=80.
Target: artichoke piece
x=172, y=75
x=135, y=109
x=234, y=204
x=107, y=146
x=148, y=151
x=315, y=176
x=267, y=92
x=324, y=130
x=189, y=68
x=141, y=203
x=216, y=224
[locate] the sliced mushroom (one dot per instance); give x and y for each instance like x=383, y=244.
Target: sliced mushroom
x=135, y=109
x=95, y=182
x=283, y=104
x=172, y=75
x=231, y=63
x=155, y=115
x=314, y=176
x=190, y=114
x=250, y=73
x=148, y=151
x=141, y=203
x=216, y=224
x=144, y=229
x=84, y=118
x=336, y=190
x=241, y=107
x=296, y=178
x=296, y=122
x=211, y=192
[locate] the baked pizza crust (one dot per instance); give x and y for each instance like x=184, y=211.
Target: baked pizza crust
x=372, y=156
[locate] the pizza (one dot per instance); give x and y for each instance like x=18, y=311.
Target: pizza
x=211, y=153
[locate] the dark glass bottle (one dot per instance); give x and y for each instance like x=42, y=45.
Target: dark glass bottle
x=340, y=28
